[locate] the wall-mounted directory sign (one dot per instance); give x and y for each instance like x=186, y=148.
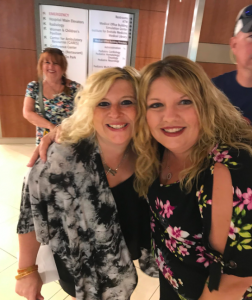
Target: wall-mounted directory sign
x=66, y=28
x=110, y=38
x=91, y=37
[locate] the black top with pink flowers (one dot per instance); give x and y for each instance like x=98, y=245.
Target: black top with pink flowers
x=181, y=225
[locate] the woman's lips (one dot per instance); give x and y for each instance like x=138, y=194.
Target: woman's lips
x=117, y=127
x=173, y=131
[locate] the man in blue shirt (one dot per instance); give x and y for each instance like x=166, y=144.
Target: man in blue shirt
x=237, y=85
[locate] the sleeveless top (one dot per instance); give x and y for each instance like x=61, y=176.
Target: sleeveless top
x=181, y=224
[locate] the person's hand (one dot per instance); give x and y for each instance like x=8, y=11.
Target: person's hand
x=30, y=287
x=42, y=148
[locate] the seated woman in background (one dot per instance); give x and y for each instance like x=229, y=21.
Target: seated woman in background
x=81, y=201
x=195, y=167
x=57, y=93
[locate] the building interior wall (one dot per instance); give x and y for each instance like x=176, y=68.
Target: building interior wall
x=18, y=52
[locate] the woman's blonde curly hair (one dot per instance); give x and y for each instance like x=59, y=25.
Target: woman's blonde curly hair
x=80, y=124
x=220, y=121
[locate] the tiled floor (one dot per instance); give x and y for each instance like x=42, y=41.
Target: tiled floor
x=13, y=160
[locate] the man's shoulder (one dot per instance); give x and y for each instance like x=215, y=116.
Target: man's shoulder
x=223, y=78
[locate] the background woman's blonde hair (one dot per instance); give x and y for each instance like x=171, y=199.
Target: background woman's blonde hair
x=56, y=55
x=80, y=124
x=220, y=121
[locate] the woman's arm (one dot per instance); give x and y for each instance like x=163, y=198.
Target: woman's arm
x=30, y=285
x=231, y=287
x=28, y=249
x=41, y=150
x=31, y=116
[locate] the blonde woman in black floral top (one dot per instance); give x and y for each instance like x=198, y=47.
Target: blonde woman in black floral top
x=195, y=167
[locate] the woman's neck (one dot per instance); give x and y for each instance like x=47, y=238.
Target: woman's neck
x=112, y=152
x=53, y=82
x=179, y=157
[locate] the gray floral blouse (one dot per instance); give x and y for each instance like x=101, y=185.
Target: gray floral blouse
x=68, y=202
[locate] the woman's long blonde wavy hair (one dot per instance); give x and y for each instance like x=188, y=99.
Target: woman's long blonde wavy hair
x=220, y=121
x=80, y=124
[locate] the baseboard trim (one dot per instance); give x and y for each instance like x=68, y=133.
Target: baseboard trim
x=4, y=141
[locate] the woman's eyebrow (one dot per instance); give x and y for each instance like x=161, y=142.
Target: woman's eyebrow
x=120, y=98
x=128, y=97
x=153, y=99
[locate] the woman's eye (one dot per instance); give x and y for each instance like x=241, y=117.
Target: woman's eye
x=185, y=102
x=103, y=104
x=126, y=102
x=155, y=105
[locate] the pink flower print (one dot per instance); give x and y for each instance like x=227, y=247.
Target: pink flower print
x=152, y=226
x=174, y=283
x=200, y=248
x=248, y=198
x=214, y=149
x=177, y=233
x=238, y=193
x=171, y=244
x=232, y=231
x=201, y=210
x=203, y=259
x=180, y=281
x=167, y=270
x=188, y=243
x=167, y=209
x=160, y=260
x=241, y=201
x=220, y=156
x=209, y=202
x=158, y=263
x=183, y=251
x=157, y=203
x=198, y=236
x=201, y=191
x=161, y=257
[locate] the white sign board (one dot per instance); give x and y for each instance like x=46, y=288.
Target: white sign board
x=110, y=39
x=66, y=28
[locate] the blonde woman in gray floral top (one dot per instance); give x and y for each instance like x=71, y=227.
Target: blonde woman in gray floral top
x=81, y=201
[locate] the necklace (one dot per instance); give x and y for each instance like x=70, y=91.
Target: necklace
x=56, y=92
x=107, y=168
x=168, y=176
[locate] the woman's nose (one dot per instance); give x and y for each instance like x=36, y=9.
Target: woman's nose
x=170, y=113
x=114, y=111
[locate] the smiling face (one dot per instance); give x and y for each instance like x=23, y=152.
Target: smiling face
x=172, y=117
x=115, y=114
x=51, y=69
